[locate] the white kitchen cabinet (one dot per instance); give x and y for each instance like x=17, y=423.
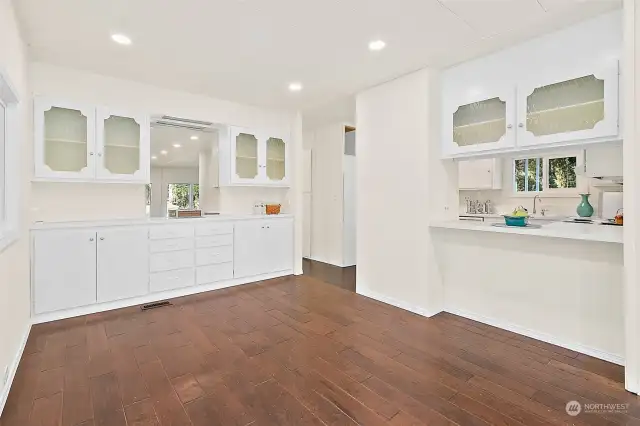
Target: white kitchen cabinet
x=123, y=263
x=253, y=158
x=479, y=120
x=85, y=143
x=604, y=161
x=123, y=142
x=262, y=246
x=64, y=270
x=480, y=174
x=568, y=105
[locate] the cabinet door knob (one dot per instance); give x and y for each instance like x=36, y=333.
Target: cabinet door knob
x=99, y=154
x=91, y=153
x=520, y=124
x=101, y=238
x=90, y=239
x=509, y=126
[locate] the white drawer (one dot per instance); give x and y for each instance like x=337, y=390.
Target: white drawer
x=211, y=256
x=162, y=232
x=157, y=246
x=214, y=241
x=163, y=281
x=170, y=260
x=213, y=273
x=214, y=228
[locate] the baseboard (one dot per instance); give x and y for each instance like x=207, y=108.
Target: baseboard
x=587, y=350
x=363, y=291
x=153, y=297
x=13, y=368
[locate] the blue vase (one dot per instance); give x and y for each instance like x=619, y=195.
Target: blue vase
x=585, y=209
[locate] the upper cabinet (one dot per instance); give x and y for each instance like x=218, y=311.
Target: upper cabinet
x=85, y=143
x=253, y=158
x=559, y=90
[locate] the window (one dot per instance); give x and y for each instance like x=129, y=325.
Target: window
x=9, y=161
x=544, y=174
x=183, y=196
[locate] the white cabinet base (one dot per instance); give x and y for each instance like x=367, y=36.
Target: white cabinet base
x=154, y=297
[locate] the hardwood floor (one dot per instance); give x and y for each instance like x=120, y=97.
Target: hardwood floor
x=297, y=351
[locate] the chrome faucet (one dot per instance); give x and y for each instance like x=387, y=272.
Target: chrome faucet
x=534, y=203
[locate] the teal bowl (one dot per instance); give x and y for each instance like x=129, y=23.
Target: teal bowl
x=516, y=220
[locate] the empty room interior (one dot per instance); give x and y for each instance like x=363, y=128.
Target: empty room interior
x=280, y=212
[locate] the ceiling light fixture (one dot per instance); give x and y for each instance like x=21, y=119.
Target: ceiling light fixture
x=295, y=87
x=176, y=145
x=121, y=39
x=377, y=45
x=194, y=138
x=153, y=157
x=163, y=152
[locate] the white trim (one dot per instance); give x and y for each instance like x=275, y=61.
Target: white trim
x=13, y=368
x=578, y=347
x=395, y=302
x=154, y=297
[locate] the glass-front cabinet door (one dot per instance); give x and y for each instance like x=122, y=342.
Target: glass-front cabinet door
x=64, y=140
x=478, y=120
x=575, y=106
x=276, y=160
x=245, y=158
x=123, y=146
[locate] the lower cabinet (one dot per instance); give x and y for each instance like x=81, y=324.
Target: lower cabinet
x=64, y=270
x=262, y=247
x=81, y=267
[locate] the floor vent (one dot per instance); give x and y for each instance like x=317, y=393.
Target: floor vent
x=155, y=305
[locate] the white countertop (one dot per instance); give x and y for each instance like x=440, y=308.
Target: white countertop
x=572, y=231
x=153, y=221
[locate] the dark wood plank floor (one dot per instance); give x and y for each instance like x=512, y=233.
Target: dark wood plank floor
x=297, y=351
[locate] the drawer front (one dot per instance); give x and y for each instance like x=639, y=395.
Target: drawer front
x=214, y=241
x=214, y=255
x=173, y=244
x=213, y=273
x=171, y=260
x=170, y=231
x=170, y=280
x=214, y=228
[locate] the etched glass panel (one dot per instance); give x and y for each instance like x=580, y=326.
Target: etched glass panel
x=275, y=159
x=246, y=156
x=65, y=140
x=121, y=145
x=480, y=122
x=567, y=106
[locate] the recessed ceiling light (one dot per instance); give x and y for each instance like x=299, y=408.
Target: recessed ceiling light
x=295, y=87
x=153, y=157
x=176, y=145
x=163, y=152
x=121, y=39
x=194, y=138
x=377, y=45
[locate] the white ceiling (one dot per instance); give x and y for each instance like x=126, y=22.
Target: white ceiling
x=163, y=138
x=249, y=50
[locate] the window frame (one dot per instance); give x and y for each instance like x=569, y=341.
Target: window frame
x=191, y=195
x=546, y=191
x=10, y=219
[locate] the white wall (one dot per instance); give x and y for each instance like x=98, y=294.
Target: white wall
x=402, y=184
x=14, y=260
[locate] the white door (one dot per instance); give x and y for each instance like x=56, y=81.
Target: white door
x=306, y=225
x=349, y=210
x=246, y=150
x=64, y=269
x=123, y=263
x=249, y=242
x=65, y=144
x=475, y=174
x=278, y=246
x=569, y=105
x=478, y=119
x=122, y=146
